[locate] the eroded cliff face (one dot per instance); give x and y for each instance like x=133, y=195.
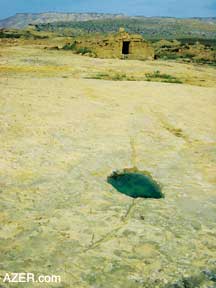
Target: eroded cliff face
x=62, y=135
x=22, y=20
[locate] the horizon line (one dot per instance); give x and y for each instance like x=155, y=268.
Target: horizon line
x=107, y=13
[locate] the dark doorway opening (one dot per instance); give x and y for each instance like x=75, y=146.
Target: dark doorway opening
x=126, y=47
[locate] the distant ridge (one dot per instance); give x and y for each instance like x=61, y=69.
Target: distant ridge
x=22, y=20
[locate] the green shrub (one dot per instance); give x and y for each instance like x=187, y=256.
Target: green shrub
x=205, y=61
x=113, y=77
x=104, y=76
x=157, y=76
x=188, y=55
x=73, y=47
x=12, y=35
x=83, y=50
x=169, y=56
x=119, y=76
x=69, y=46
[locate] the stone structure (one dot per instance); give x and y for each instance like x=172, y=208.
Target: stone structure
x=121, y=45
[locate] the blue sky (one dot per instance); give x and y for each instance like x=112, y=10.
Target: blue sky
x=177, y=8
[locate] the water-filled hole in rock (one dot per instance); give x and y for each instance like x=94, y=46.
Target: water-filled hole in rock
x=135, y=184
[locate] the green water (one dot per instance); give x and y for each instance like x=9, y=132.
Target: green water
x=135, y=185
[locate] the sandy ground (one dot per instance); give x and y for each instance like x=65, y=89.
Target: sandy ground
x=62, y=135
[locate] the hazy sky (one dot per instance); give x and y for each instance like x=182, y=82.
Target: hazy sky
x=178, y=8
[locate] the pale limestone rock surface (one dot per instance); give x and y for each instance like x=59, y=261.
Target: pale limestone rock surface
x=61, y=138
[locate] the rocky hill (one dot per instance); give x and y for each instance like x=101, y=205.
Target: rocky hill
x=21, y=20
x=82, y=23
x=149, y=27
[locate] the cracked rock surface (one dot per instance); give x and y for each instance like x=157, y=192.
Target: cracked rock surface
x=62, y=137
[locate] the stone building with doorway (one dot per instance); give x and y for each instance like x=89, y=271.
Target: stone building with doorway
x=120, y=45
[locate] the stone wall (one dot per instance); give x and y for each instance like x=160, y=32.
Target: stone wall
x=111, y=47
